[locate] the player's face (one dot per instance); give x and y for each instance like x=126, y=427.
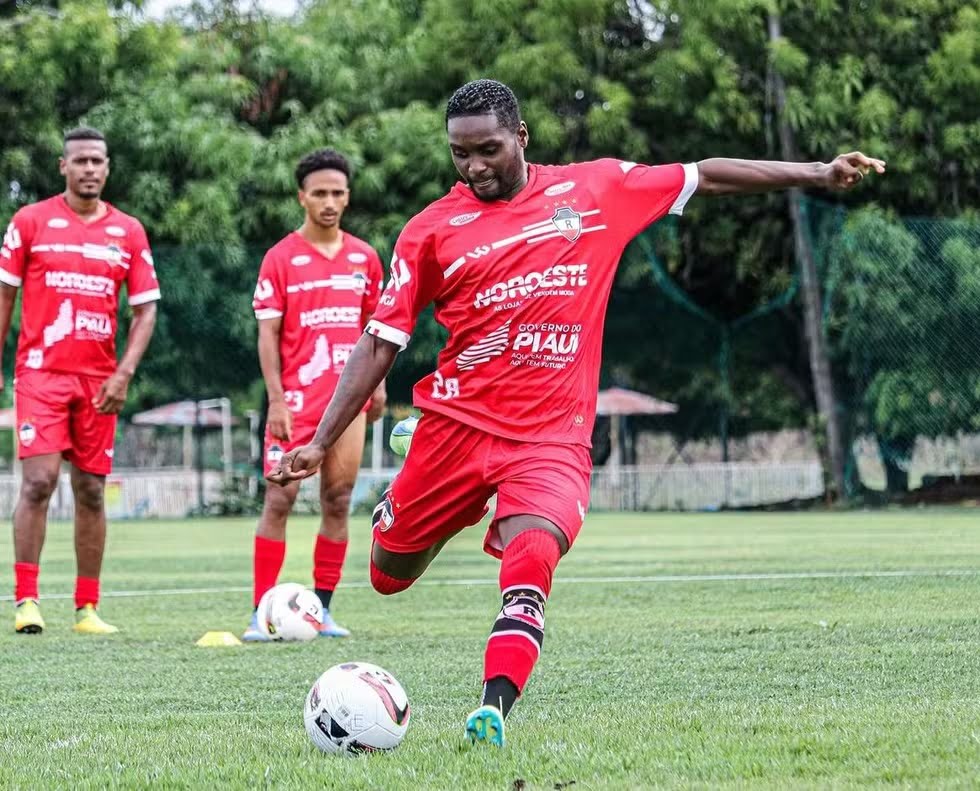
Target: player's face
x=489, y=157
x=85, y=166
x=325, y=195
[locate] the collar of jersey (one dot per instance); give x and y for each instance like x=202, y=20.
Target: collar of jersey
x=73, y=216
x=517, y=200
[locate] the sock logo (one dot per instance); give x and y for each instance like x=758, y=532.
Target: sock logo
x=522, y=613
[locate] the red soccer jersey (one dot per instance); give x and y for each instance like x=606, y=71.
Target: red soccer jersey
x=522, y=286
x=324, y=304
x=71, y=273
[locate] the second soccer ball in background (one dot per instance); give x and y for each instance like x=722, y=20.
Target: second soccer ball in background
x=290, y=611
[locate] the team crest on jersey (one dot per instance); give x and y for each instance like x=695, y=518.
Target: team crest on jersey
x=114, y=253
x=274, y=454
x=57, y=222
x=26, y=434
x=567, y=222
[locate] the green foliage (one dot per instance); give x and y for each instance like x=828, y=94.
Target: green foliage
x=206, y=115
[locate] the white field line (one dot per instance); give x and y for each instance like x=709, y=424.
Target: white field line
x=762, y=576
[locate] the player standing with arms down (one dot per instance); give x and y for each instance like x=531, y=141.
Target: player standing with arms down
x=317, y=288
x=519, y=260
x=71, y=254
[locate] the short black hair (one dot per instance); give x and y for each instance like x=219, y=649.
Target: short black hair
x=84, y=133
x=321, y=159
x=481, y=97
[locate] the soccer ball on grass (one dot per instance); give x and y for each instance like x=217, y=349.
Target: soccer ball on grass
x=356, y=707
x=290, y=611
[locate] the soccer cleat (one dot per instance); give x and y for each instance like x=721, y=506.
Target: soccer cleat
x=486, y=724
x=87, y=621
x=27, y=618
x=253, y=634
x=330, y=628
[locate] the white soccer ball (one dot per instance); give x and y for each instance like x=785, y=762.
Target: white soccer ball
x=356, y=707
x=290, y=611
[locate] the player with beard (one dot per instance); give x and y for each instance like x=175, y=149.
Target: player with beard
x=71, y=255
x=519, y=261
x=316, y=290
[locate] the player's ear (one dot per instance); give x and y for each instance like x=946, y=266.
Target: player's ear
x=523, y=136
x=62, y=166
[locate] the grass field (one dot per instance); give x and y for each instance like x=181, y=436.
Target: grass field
x=704, y=651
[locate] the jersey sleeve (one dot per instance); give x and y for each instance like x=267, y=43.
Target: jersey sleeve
x=269, y=300
x=375, y=276
x=142, y=285
x=13, y=251
x=414, y=281
x=641, y=194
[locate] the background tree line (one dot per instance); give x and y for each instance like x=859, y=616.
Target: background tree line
x=207, y=112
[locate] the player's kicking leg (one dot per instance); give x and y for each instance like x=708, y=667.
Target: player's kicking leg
x=338, y=473
x=269, y=549
x=532, y=548
x=90, y=529
x=40, y=477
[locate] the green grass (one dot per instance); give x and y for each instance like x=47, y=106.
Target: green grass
x=847, y=681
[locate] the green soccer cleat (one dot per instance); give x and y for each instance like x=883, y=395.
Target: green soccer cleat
x=27, y=618
x=330, y=628
x=87, y=621
x=486, y=724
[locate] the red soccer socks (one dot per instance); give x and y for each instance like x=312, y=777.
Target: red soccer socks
x=266, y=565
x=515, y=641
x=25, y=581
x=328, y=563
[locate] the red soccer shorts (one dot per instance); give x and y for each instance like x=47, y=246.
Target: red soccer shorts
x=304, y=427
x=55, y=415
x=274, y=449
x=453, y=469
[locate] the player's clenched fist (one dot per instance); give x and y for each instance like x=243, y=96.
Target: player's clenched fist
x=848, y=169
x=297, y=464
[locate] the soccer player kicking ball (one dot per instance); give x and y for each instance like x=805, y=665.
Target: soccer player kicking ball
x=71, y=254
x=519, y=260
x=317, y=288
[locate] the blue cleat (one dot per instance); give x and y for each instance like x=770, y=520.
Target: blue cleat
x=253, y=634
x=330, y=628
x=486, y=724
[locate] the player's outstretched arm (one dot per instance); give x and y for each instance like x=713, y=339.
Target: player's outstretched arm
x=735, y=176
x=367, y=366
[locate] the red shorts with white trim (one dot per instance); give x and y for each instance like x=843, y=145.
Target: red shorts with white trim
x=55, y=415
x=453, y=469
x=304, y=428
x=274, y=448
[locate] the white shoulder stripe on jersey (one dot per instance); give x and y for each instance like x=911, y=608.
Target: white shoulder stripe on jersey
x=690, y=184
x=144, y=297
x=387, y=333
x=267, y=313
x=10, y=278
x=535, y=232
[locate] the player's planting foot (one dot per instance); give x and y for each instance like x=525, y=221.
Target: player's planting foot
x=330, y=628
x=87, y=621
x=486, y=724
x=27, y=618
x=253, y=634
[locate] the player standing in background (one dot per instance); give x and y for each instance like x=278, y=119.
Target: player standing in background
x=71, y=254
x=317, y=288
x=519, y=260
